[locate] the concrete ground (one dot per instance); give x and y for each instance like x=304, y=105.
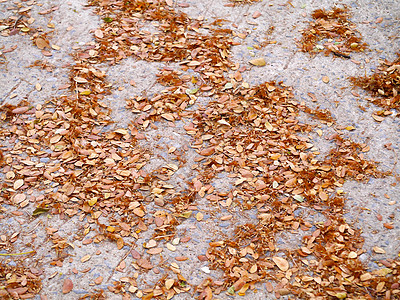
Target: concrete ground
x=70, y=26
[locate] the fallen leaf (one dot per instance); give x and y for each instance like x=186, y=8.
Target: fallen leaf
x=169, y=283
x=378, y=250
x=98, y=280
x=341, y=295
x=378, y=118
x=324, y=196
x=352, y=254
x=18, y=183
x=282, y=263
x=259, y=62
x=98, y=33
x=39, y=211
x=67, y=286
x=80, y=79
x=208, y=151
x=199, y=216
x=85, y=258
x=151, y=244
x=144, y=263
x=41, y=43
x=365, y=276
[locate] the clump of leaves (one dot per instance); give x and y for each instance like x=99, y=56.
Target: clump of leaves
x=334, y=28
x=18, y=282
x=383, y=85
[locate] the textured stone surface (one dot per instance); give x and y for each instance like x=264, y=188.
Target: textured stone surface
x=283, y=63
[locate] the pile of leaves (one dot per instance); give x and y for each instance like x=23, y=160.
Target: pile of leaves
x=18, y=282
x=255, y=136
x=22, y=23
x=383, y=86
x=335, y=30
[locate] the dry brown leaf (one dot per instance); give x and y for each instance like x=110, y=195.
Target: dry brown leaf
x=67, y=286
x=169, y=283
x=98, y=280
x=378, y=250
x=98, y=33
x=208, y=151
x=18, y=183
x=282, y=263
x=144, y=263
x=41, y=43
x=80, y=79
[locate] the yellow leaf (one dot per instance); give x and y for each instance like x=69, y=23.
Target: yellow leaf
x=186, y=214
x=268, y=126
x=259, y=62
x=110, y=228
x=92, y=201
x=199, y=216
x=341, y=295
x=85, y=92
x=380, y=286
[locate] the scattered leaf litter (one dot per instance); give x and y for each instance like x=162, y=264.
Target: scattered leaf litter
x=384, y=86
x=251, y=133
x=331, y=31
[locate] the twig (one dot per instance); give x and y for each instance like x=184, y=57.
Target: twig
x=125, y=255
x=19, y=18
x=341, y=54
x=13, y=89
x=15, y=254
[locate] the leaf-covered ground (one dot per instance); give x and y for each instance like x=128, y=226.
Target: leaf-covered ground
x=207, y=146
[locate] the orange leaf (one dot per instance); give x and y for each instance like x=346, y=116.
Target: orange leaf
x=67, y=286
x=208, y=151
